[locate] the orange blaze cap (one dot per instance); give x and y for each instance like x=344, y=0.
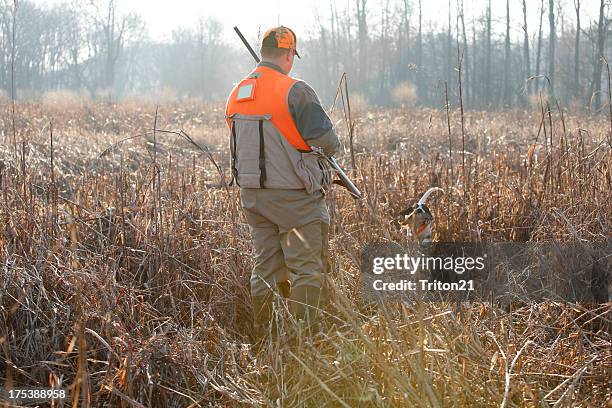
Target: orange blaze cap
x=280, y=37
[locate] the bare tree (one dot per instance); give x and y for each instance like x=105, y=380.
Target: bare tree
x=4, y=48
x=476, y=66
x=334, y=39
x=526, y=47
x=487, y=89
x=404, y=40
x=539, y=46
x=551, y=47
x=577, y=90
x=506, y=97
x=466, y=67
x=13, y=47
x=114, y=32
x=73, y=40
x=596, y=82
x=449, y=47
x=362, y=33
x=420, y=53
x=384, y=24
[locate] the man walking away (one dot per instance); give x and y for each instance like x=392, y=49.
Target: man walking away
x=275, y=120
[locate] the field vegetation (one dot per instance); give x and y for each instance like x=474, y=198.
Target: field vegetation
x=125, y=261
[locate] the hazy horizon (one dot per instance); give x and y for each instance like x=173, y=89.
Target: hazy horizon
x=251, y=17
x=99, y=46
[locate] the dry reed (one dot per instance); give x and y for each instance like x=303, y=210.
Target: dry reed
x=124, y=264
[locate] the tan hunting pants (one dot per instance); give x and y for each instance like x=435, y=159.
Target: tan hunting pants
x=289, y=229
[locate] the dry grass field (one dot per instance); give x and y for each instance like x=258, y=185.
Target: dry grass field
x=124, y=262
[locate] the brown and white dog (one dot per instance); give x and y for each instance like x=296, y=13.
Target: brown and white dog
x=417, y=219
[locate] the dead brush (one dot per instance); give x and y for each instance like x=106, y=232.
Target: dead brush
x=148, y=306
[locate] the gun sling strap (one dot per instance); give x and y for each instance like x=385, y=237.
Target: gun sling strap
x=262, y=156
x=233, y=152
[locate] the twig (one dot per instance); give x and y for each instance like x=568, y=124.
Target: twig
x=321, y=383
x=609, y=100
x=101, y=340
x=13, y=94
x=459, y=63
x=123, y=397
x=350, y=122
x=450, y=156
x=578, y=373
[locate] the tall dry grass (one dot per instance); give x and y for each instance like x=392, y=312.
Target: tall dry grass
x=125, y=264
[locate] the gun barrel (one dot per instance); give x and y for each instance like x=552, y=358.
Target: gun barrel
x=352, y=188
x=246, y=44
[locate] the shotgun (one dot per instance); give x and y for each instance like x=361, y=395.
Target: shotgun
x=344, y=181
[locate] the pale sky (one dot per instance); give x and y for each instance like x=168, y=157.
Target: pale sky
x=162, y=16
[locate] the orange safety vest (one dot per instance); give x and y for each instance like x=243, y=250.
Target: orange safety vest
x=264, y=92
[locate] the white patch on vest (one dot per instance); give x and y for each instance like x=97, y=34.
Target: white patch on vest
x=245, y=91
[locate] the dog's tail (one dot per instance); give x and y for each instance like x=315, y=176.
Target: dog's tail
x=428, y=193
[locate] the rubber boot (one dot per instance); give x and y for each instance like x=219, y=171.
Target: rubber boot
x=304, y=306
x=325, y=299
x=284, y=288
x=262, y=314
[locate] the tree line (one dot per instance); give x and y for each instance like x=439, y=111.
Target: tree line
x=390, y=52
